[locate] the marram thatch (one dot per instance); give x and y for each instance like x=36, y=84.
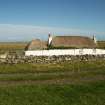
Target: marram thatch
x=73, y=42
x=36, y=44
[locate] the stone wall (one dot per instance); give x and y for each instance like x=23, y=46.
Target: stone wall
x=21, y=58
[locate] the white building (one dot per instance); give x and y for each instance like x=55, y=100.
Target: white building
x=64, y=45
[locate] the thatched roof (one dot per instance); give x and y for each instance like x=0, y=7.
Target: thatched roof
x=36, y=44
x=73, y=41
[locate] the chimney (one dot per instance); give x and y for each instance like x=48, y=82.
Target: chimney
x=94, y=39
x=49, y=39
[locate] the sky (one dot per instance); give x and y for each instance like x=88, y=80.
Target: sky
x=24, y=20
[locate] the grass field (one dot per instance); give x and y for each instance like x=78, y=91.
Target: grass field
x=12, y=46
x=66, y=83
x=69, y=83
x=84, y=94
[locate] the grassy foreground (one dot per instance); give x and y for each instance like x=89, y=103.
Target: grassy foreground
x=68, y=83
x=86, y=94
x=66, y=72
x=73, y=66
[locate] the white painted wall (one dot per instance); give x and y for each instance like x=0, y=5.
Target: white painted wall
x=49, y=40
x=65, y=52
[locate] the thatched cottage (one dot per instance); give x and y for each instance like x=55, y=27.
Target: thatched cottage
x=63, y=45
x=62, y=42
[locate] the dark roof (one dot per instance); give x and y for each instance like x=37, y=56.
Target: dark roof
x=73, y=41
x=36, y=44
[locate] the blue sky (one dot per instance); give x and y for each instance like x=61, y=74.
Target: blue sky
x=28, y=19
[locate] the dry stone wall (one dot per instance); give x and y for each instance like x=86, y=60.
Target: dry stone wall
x=21, y=58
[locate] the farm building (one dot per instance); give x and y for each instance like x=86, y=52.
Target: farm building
x=63, y=45
x=58, y=42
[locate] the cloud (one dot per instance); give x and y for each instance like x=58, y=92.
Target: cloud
x=10, y=32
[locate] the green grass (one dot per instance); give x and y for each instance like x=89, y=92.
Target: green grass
x=87, y=94
x=74, y=66
x=55, y=75
x=68, y=70
x=66, y=83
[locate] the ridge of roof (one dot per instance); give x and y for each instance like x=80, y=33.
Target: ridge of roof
x=73, y=36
